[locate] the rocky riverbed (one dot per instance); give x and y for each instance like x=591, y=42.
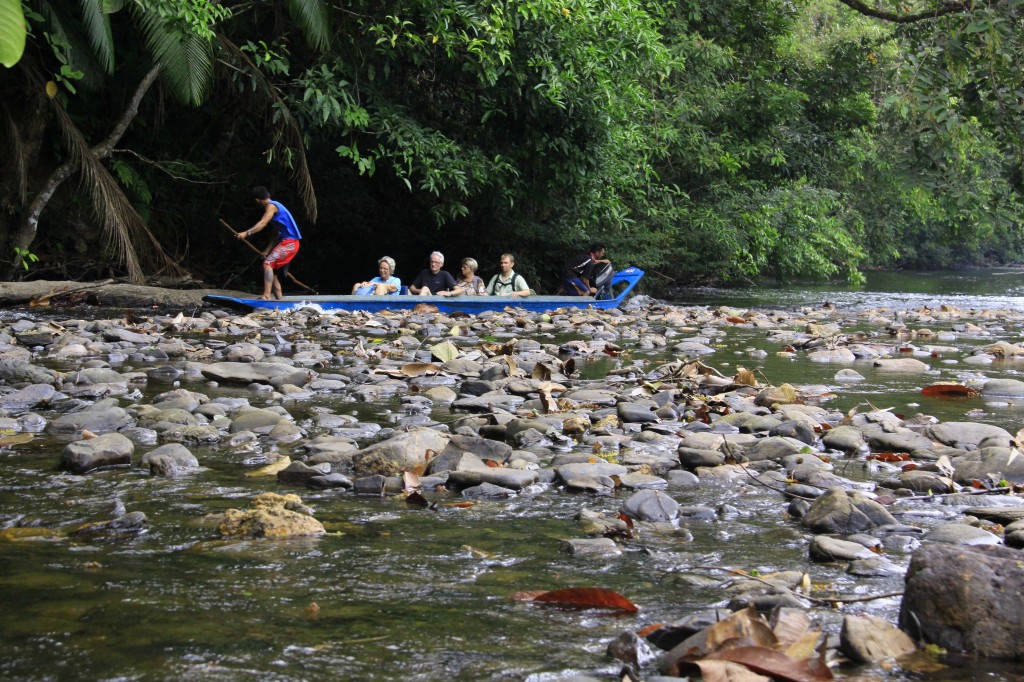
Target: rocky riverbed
x=888, y=539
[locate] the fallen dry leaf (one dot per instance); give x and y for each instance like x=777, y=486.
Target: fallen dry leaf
x=587, y=598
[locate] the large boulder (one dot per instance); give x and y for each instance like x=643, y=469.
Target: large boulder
x=966, y=599
x=404, y=451
x=970, y=434
x=994, y=463
x=110, y=449
x=845, y=513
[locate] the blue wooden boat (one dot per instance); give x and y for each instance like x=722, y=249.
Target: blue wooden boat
x=444, y=304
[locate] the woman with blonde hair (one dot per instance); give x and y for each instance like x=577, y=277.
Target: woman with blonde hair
x=385, y=284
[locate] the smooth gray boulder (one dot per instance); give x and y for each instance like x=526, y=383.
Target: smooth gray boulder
x=995, y=463
x=595, y=477
x=256, y=373
x=1003, y=388
x=967, y=435
x=16, y=372
x=651, y=505
x=966, y=599
x=845, y=438
x=109, y=449
x=100, y=418
x=870, y=639
x=170, y=460
x=824, y=549
x=845, y=512
x=901, y=365
x=511, y=479
x=30, y=397
x=960, y=534
x=406, y=451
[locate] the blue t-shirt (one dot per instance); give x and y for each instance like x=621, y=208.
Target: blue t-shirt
x=287, y=229
x=390, y=280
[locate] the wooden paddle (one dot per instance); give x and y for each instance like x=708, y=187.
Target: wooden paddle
x=287, y=274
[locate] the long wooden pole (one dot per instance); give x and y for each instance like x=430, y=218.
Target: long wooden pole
x=289, y=275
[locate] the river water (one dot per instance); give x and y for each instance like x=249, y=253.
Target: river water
x=398, y=592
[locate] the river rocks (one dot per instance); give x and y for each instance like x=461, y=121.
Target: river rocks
x=825, y=548
x=691, y=465
x=170, y=460
x=270, y=516
x=1003, y=388
x=968, y=435
x=960, y=534
x=990, y=463
x=958, y=598
x=255, y=372
x=509, y=479
x=592, y=477
x=404, y=451
x=908, y=365
x=102, y=417
x=843, y=512
x=651, y=505
x=107, y=450
x=869, y=639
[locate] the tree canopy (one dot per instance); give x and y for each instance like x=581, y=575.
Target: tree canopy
x=721, y=140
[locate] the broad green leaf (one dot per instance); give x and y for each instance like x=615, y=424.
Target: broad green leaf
x=12, y=32
x=445, y=351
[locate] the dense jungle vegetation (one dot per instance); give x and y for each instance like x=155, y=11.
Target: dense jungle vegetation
x=700, y=139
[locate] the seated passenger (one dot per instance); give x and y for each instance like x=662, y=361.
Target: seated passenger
x=384, y=284
x=432, y=280
x=469, y=284
x=588, y=274
x=507, y=282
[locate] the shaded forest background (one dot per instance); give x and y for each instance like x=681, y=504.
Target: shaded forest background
x=712, y=140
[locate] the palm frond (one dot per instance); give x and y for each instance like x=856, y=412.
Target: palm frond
x=123, y=230
x=80, y=54
x=312, y=18
x=97, y=27
x=186, y=59
x=287, y=133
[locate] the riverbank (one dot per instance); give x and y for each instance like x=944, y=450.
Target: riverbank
x=424, y=469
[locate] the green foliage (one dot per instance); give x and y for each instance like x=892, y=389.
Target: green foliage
x=12, y=32
x=24, y=257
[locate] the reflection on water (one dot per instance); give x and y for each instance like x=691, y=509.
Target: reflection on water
x=983, y=288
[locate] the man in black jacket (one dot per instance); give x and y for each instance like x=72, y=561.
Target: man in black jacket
x=585, y=274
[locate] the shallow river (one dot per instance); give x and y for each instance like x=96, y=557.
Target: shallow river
x=398, y=592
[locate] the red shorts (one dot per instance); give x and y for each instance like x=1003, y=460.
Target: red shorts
x=282, y=254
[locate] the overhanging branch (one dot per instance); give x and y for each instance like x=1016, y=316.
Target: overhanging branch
x=942, y=9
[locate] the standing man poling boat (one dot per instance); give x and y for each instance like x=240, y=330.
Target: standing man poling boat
x=283, y=248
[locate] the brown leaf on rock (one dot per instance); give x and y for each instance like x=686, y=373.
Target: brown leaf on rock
x=418, y=369
x=588, y=598
x=789, y=625
x=727, y=671
x=949, y=390
x=547, y=402
x=541, y=372
x=410, y=480
x=775, y=664
x=417, y=500
x=745, y=377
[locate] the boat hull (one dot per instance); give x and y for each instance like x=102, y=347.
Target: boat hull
x=444, y=304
